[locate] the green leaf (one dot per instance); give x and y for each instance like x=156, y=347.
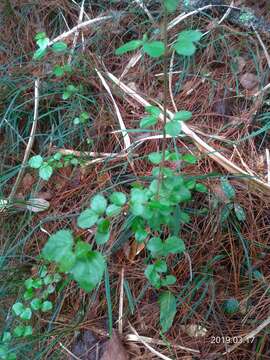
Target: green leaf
x=87, y=219
x=151, y=273
x=36, y=304
x=189, y=158
x=182, y=115
x=66, y=95
x=76, y=121
x=98, y=204
x=43, y=43
x=156, y=246
x=6, y=336
x=104, y=225
x=102, y=238
x=129, y=46
x=82, y=249
x=58, y=71
x=36, y=161
x=48, y=279
x=173, y=245
x=18, y=331
x=45, y=171
x=88, y=272
x=167, y=303
x=155, y=157
x=148, y=121
x=18, y=308
x=138, y=196
x=185, y=42
x=59, y=47
x=153, y=110
x=113, y=210
x=59, y=247
x=28, y=330
x=231, y=306
x=26, y=314
x=171, y=5
x=239, y=212
x=39, y=54
x=28, y=294
x=227, y=188
x=201, y=188
x=169, y=280
x=40, y=35
x=46, y=306
x=118, y=198
x=28, y=283
x=37, y=283
x=173, y=128
x=154, y=48
x=141, y=235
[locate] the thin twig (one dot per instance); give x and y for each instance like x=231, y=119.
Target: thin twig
x=121, y=303
x=76, y=34
x=30, y=141
x=78, y=27
x=126, y=137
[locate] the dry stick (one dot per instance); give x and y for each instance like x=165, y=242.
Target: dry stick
x=204, y=147
x=251, y=335
x=86, y=153
x=126, y=137
x=76, y=33
x=78, y=27
x=121, y=303
x=135, y=338
x=30, y=141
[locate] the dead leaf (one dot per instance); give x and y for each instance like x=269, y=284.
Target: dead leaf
x=37, y=205
x=194, y=330
x=85, y=346
x=240, y=63
x=113, y=349
x=249, y=81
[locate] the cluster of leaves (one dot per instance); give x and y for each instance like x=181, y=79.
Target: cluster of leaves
x=35, y=298
x=77, y=260
x=231, y=205
x=43, y=44
x=82, y=118
x=185, y=45
x=57, y=161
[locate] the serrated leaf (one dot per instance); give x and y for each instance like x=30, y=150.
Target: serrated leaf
x=167, y=303
x=118, y=198
x=43, y=43
x=173, y=245
x=239, y=212
x=18, y=308
x=148, y=121
x=189, y=158
x=39, y=54
x=36, y=304
x=153, y=276
x=98, y=204
x=155, y=157
x=45, y=171
x=173, y=128
x=182, y=115
x=87, y=219
x=113, y=210
x=227, y=188
x=88, y=272
x=154, y=48
x=26, y=314
x=129, y=46
x=35, y=162
x=153, y=110
x=59, y=247
x=171, y=5
x=59, y=47
x=58, y=71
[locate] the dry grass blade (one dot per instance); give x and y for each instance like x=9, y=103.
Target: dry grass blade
x=119, y=116
x=202, y=146
x=76, y=33
x=30, y=142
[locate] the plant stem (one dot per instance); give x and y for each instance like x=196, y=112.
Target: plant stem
x=165, y=93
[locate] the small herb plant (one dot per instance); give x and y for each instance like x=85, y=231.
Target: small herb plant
x=157, y=208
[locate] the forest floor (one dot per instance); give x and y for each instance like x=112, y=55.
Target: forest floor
x=228, y=238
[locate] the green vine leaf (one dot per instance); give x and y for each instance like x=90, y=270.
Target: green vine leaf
x=45, y=171
x=59, y=47
x=35, y=162
x=87, y=219
x=171, y=5
x=148, y=121
x=173, y=128
x=182, y=115
x=118, y=198
x=98, y=204
x=185, y=42
x=227, y=188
